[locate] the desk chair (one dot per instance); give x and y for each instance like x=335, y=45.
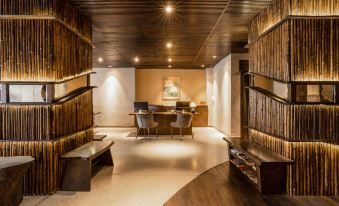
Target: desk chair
x=184, y=120
x=145, y=121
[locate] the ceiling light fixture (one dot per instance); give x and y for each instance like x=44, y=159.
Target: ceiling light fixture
x=214, y=57
x=100, y=59
x=169, y=59
x=136, y=59
x=169, y=45
x=203, y=66
x=168, y=9
x=169, y=66
x=110, y=66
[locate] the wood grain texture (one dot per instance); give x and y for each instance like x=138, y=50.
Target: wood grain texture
x=46, y=122
x=222, y=186
x=314, y=49
x=198, y=30
x=201, y=120
x=316, y=164
x=269, y=56
x=41, y=51
x=12, y=170
x=44, y=176
x=293, y=122
x=59, y=9
x=278, y=10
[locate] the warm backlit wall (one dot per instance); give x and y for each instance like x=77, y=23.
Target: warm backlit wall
x=149, y=85
x=114, y=96
x=223, y=91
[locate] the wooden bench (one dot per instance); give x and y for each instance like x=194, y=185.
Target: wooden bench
x=99, y=137
x=79, y=162
x=262, y=168
x=12, y=171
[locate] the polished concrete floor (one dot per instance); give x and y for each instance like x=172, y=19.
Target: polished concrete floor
x=145, y=172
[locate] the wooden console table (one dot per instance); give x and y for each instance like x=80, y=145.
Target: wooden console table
x=262, y=168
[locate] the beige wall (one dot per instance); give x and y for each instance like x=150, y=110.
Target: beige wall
x=114, y=96
x=224, y=92
x=149, y=85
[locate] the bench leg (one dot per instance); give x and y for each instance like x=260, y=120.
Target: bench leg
x=77, y=175
x=105, y=159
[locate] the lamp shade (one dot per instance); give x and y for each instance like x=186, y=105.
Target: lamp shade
x=193, y=105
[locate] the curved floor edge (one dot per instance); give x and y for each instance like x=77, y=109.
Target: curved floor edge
x=221, y=185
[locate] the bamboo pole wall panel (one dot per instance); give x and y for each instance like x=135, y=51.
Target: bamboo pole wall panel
x=268, y=17
x=41, y=50
x=46, y=122
x=293, y=122
x=316, y=164
x=314, y=49
x=298, y=50
x=60, y=9
x=280, y=9
x=44, y=176
x=25, y=122
x=269, y=56
x=74, y=115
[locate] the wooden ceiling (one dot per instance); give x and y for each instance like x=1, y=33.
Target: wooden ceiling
x=198, y=30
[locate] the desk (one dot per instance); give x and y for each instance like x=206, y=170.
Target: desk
x=164, y=120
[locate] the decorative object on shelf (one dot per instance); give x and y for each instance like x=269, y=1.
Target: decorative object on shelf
x=171, y=88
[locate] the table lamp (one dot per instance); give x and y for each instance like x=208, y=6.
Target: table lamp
x=193, y=105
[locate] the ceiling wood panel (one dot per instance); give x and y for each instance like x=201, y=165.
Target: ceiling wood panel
x=198, y=29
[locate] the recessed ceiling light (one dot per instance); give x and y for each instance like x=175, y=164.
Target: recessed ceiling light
x=136, y=59
x=110, y=66
x=214, y=57
x=100, y=59
x=168, y=9
x=169, y=66
x=169, y=59
x=169, y=45
x=203, y=66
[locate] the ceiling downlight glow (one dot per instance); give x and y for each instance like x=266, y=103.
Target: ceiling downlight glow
x=100, y=59
x=168, y=9
x=169, y=45
x=136, y=59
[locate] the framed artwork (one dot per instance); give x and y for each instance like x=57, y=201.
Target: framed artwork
x=171, y=88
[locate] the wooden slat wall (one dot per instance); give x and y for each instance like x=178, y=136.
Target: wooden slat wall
x=74, y=115
x=293, y=122
x=269, y=56
x=268, y=17
x=44, y=176
x=310, y=53
x=25, y=122
x=60, y=9
x=268, y=115
x=41, y=50
x=279, y=9
x=316, y=164
x=314, y=49
x=46, y=122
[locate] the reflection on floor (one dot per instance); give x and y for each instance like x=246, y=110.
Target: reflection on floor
x=145, y=172
x=222, y=186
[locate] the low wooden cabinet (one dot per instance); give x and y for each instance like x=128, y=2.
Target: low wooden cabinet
x=262, y=168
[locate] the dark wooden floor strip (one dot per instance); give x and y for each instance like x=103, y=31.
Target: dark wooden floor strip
x=222, y=186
